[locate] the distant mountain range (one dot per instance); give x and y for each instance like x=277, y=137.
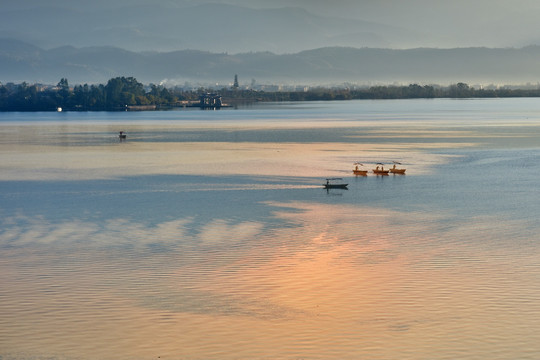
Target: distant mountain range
x=20, y=61
x=157, y=26
x=298, y=42
x=278, y=26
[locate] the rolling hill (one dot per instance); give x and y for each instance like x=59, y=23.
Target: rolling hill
x=20, y=61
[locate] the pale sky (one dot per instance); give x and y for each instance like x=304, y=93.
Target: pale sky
x=456, y=23
x=438, y=23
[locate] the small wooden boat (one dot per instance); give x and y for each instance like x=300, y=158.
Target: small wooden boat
x=380, y=171
x=395, y=170
x=330, y=185
x=122, y=136
x=359, y=172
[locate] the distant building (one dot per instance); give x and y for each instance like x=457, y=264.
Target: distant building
x=209, y=100
x=235, y=84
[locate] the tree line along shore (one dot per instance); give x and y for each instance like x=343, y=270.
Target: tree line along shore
x=126, y=93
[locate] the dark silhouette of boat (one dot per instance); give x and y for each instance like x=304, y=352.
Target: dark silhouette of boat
x=333, y=185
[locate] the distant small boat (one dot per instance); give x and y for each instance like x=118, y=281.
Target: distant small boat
x=395, y=170
x=122, y=136
x=359, y=172
x=330, y=185
x=380, y=171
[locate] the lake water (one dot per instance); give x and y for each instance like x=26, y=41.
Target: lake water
x=208, y=235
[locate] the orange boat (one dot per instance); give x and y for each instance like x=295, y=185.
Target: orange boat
x=380, y=171
x=395, y=170
x=359, y=172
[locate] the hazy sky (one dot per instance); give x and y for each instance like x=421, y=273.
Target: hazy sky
x=404, y=11
x=456, y=23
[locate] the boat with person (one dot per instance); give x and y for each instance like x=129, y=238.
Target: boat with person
x=359, y=172
x=395, y=170
x=333, y=185
x=380, y=170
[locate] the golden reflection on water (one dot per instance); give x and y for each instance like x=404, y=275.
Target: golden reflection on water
x=86, y=151
x=310, y=160
x=341, y=282
x=272, y=159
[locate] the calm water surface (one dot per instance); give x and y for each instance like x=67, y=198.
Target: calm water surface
x=208, y=235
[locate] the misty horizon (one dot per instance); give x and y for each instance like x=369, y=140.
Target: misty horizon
x=278, y=26
x=295, y=41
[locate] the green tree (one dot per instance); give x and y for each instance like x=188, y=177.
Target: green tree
x=64, y=94
x=122, y=91
x=460, y=90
